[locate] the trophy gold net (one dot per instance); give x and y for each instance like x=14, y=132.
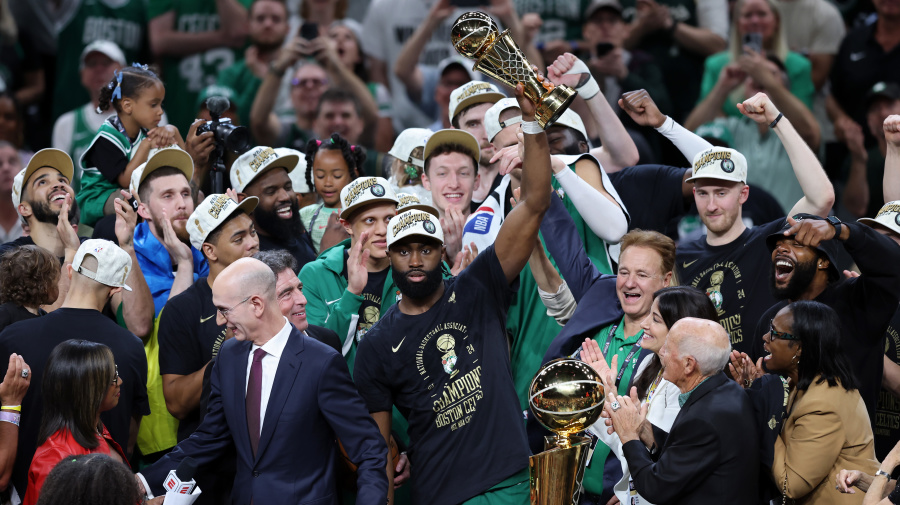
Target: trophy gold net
x=474, y=35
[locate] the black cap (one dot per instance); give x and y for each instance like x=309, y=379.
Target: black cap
x=596, y=5
x=883, y=89
x=827, y=247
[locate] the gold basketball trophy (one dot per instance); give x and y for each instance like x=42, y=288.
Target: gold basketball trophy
x=566, y=396
x=476, y=36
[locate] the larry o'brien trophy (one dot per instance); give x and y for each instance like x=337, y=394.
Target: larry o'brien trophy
x=474, y=35
x=566, y=396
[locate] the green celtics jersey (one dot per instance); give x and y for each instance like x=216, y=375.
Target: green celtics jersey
x=119, y=21
x=186, y=76
x=241, y=79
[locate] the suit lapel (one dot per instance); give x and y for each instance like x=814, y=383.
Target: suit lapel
x=288, y=366
x=239, y=393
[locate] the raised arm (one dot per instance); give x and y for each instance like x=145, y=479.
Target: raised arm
x=618, y=150
x=585, y=187
x=138, y=309
x=892, y=158
x=643, y=110
x=515, y=240
x=818, y=191
x=406, y=66
x=264, y=124
x=710, y=107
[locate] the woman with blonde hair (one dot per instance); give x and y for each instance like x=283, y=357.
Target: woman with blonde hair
x=757, y=32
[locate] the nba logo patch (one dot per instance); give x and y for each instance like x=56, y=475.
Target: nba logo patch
x=480, y=222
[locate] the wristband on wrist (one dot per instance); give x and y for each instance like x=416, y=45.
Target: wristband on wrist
x=17, y=408
x=531, y=127
x=10, y=417
x=777, y=119
x=881, y=472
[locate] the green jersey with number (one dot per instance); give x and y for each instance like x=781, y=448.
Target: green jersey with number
x=186, y=76
x=119, y=21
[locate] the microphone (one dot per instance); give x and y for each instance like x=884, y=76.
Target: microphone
x=181, y=480
x=217, y=105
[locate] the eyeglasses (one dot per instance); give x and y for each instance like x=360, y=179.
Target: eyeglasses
x=226, y=311
x=773, y=333
x=308, y=83
x=115, y=381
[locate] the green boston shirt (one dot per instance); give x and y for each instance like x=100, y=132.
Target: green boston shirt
x=620, y=346
x=119, y=21
x=186, y=76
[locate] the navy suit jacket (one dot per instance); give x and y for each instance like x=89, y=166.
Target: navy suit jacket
x=711, y=454
x=313, y=402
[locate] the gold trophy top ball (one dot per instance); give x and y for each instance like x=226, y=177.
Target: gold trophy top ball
x=472, y=33
x=566, y=396
x=496, y=54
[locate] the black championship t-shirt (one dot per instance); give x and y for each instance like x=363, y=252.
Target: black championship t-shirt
x=188, y=338
x=448, y=373
x=887, y=411
x=652, y=194
x=35, y=338
x=735, y=276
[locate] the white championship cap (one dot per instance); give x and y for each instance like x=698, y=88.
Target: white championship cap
x=407, y=141
x=571, y=119
x=212, y=212
x=113, y=264
x=492, y=123
x=257, y=161
x=453, y=136
x=107, y=47
x=719, y=163
x=409, y=201
x=471, y=93
x=53, y=158
x=298, y=174
x=172, y=156
x=363, y=191
x=888, y=216
x=456, y=59
x=414, y=222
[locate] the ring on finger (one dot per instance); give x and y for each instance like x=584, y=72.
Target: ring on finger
x=25, y=373
x=615, y=406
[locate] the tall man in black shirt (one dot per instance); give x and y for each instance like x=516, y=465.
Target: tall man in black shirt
x=98, y=271
x=802, y=268
x=441, y=355
x=730, y=262
x=262, y=172
x=189, y=335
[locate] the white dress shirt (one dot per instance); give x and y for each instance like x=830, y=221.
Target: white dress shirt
x=274, y=347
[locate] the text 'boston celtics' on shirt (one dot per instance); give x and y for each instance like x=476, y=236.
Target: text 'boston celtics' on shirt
x=448, y=373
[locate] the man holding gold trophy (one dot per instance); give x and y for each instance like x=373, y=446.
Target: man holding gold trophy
x=440, y=355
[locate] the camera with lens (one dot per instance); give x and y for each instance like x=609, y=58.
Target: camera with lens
x=228, y=136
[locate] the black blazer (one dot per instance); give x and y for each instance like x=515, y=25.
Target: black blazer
x=326, y=336
x=711, y=455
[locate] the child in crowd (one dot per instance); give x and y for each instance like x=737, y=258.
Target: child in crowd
x=124, y=140
x=330, y=165
x=408, y=165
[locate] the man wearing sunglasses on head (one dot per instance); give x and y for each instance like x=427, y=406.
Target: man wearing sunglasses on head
x=803, y=268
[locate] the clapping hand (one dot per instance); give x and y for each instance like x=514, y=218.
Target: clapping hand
x=357, y=273
x=14, y=385
x=743, y=370
x=627, y=414
x=464, y=258
x=453, y=224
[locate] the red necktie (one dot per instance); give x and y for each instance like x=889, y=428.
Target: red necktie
x=254, y=398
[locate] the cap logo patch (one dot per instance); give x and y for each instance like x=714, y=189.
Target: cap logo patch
x=197, y=222
x=218, y=204
x=260, y=158
x=408, y=200
x=429, y=226
x=410, y=220
x=378, y=190
x=355, y=191
x=473, y=89
x=711, y=157
x=727, y=166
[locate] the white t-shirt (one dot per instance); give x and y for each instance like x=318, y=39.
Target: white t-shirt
x=816, y=26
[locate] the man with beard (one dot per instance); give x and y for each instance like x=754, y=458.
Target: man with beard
x=268, y=26
x=38, y=194
x=161, y=241
x=468, y=103
x=170, y=265
x=441, y=356
x=189, y=334
x=263, y=173
x=803, y=268
x=729, y=260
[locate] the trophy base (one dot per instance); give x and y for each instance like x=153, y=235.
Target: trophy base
x=554, y=104
x=556, y=473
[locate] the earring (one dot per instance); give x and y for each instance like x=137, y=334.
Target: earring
x=796, y=357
